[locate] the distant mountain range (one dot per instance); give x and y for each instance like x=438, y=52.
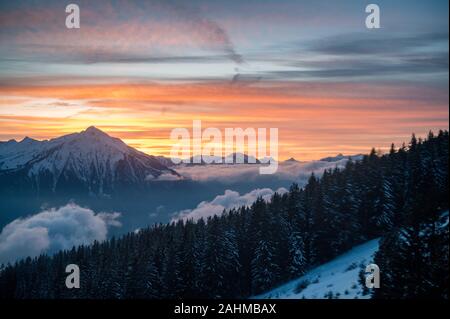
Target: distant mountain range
x=234, y=158
x=91, y=160
x=340, y=156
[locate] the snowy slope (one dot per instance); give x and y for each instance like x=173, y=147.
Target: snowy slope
x=91, y=158
x=339, y=276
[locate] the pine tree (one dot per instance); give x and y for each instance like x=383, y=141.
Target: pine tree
x=296, y=261
x=264, y=267
x=222, y=260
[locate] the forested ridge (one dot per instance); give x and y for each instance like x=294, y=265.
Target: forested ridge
x=400, y=196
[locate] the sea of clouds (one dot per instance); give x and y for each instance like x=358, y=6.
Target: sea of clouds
x=230, y=199
x=52, y=230
x=292, y=171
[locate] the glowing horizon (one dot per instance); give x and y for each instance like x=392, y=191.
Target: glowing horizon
x=359, y=122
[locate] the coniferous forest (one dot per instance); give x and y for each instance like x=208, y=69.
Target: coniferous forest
x=401, y=196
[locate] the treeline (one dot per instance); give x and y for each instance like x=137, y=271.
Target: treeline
x=413, y=256
x=400, y=195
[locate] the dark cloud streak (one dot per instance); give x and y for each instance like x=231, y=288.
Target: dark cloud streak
x=359, y=55
x=369, y=44
x=211, y=28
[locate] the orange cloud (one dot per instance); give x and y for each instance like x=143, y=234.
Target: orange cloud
x=313, y=121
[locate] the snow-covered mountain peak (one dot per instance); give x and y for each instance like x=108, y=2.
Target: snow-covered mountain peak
x=27, y=139
x=291, y=160
x=93, y=140
x=340, y=157
x=90, y=157
x=93, y=130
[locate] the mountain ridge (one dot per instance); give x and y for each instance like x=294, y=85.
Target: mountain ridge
x=91, y=159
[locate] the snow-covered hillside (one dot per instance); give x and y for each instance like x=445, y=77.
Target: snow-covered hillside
x=91, y=158
x=337, y=278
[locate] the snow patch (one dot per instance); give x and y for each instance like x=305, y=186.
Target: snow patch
x=337, y=278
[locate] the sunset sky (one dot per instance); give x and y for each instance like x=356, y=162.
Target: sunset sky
x=138, y=69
